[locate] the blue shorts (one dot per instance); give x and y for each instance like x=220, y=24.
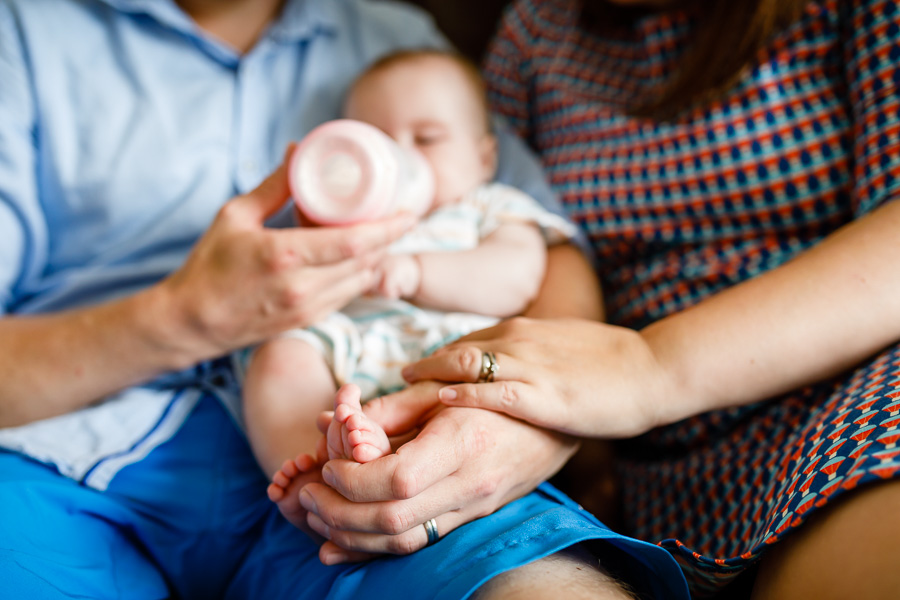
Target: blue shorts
x=192, y=521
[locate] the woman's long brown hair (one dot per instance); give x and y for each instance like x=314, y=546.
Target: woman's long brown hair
x=726, y=36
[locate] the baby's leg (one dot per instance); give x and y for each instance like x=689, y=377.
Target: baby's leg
x=287, y=385
x=352, y=434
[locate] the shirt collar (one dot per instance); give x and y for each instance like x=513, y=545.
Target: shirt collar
x=300, y=19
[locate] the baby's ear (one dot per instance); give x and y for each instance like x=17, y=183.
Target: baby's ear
x=487, y=148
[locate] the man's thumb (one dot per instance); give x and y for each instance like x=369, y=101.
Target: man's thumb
x=270, y=195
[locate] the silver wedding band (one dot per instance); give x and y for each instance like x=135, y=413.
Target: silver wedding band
x=489, y=367
x=431, y=531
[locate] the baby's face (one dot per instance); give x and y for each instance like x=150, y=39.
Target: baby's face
x=427, y=103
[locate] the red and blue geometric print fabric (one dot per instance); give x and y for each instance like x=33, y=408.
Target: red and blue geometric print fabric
x=806, y=141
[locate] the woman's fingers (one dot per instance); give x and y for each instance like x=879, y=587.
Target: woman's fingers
x=517, y=399
x=469, y=363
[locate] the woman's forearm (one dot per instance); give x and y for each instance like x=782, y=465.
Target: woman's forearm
x=56, y=363
x=570, y=287
x=811, y=318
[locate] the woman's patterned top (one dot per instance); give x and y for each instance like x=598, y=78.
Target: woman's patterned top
x=805, y=142
x=679, y=210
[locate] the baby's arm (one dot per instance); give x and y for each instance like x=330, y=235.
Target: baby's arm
x=498, y=278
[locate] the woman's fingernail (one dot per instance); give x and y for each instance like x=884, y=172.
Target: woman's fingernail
x=447, y=395
x=407, y=372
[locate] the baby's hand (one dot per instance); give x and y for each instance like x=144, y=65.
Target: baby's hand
x=401, y=275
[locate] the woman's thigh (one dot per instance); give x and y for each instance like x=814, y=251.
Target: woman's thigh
x=849, y=550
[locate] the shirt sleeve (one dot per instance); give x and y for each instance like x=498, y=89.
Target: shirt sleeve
x=871, y=34
x=22, y=229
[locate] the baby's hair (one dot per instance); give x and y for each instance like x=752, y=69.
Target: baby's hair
x=467, y=68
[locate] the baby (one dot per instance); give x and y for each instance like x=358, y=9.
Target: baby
x=478, y=255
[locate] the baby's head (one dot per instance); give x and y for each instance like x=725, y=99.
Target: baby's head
x=433, y=101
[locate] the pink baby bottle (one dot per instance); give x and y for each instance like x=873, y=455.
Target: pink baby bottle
x=347, y=171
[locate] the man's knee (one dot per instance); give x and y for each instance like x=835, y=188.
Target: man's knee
x=571, y=573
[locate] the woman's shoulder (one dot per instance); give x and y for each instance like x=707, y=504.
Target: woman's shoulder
x=544, y=12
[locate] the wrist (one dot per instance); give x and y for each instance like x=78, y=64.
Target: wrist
x=672, y=389
x=165, y=326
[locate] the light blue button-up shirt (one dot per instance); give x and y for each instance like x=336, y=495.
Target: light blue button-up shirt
x=123, y=129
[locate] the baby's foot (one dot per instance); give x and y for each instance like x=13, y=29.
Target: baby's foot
x=352, y=434
x=286, y=484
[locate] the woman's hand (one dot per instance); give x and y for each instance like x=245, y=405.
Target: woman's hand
x=244, y=282
x=464, y=463
x=574, y=376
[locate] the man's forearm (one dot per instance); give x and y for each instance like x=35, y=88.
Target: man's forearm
x=54, y=364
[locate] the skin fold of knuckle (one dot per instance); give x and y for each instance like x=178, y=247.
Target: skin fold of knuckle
x=402, y=544
x=486, y=487
x=331, y=517
x=350, y=247
x=396, y=520
x=467, y=360
x=276, y=257
x=509, y=396
x=405, y=482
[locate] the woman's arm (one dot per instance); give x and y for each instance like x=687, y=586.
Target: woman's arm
x=811, y=318
x=241, y=283
x=806, y=321
x=570, y=287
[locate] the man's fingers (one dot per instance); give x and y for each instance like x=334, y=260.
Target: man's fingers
x=326, y=245
x=415, y=466
x=269, y=196
x=346, y=544
x=331, y=554
x=308, y=295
